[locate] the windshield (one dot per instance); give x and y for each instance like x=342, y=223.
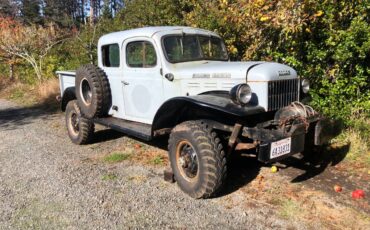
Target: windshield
x=194, y=47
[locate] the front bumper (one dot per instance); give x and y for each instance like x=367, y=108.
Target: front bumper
x=269, y=134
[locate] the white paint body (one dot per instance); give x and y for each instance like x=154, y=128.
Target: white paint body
x=139, y=92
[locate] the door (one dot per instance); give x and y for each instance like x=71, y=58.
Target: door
x=142, y=80
x=110, y=60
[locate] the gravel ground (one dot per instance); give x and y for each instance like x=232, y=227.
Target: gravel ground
x=46, y=182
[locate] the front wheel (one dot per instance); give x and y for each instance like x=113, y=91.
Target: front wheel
x=80, y=129
x=197, y=159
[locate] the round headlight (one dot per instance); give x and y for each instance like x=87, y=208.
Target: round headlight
x=305, y=85
x=241, y=94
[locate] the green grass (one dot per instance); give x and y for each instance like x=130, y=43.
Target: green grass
x=157, y=160
x=289, y=209
x=109, y=176
x=116, y=157
x=22, y=95
x=17, y=94
x=358, y=146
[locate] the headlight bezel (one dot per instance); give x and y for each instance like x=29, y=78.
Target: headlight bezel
x=305, y=86
x=236, y=94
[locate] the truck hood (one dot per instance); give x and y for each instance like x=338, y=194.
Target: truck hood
x=257, y=71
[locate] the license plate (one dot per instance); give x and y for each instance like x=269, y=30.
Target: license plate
x=279, y=148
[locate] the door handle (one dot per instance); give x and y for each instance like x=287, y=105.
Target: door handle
x=125, y=82
x=169, y=76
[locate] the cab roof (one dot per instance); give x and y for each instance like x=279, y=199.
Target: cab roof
x=118, y=37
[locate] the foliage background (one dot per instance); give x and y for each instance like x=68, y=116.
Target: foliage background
x=327, y=41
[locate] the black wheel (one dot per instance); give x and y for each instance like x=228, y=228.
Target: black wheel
x=93, y=91
x=80, y=129
x=197, y=159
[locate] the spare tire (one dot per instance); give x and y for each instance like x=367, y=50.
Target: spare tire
x=93, y=91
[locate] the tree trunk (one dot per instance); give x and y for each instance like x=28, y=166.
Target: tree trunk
x=11, y=72
x=83, y=11
x=92, y=12
x=113, y=7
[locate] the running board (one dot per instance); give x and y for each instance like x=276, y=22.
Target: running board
x=136, y=129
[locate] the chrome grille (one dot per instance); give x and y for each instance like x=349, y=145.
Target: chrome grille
x=281, y=93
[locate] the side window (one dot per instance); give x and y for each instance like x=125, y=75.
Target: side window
x=110, y=55
x=141, y=55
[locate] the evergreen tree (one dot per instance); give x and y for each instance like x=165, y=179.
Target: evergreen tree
x=106, y=11
x=59, y=12
x=139, y=13
x=8, y=8
x=116, y=5
x=30, y=10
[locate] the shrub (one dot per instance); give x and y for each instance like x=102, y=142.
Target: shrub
x=327, y=42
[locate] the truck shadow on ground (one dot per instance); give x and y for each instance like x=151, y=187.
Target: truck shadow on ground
x=106, y=135
x=316, y=163
x=243, y=168
x=13, y=117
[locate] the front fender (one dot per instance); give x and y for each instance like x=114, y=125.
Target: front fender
x=210, y=107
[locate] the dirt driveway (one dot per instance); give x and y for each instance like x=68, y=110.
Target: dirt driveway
x=46, y=182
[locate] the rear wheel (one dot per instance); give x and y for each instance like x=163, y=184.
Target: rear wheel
x=197, y=159
x=80, y=129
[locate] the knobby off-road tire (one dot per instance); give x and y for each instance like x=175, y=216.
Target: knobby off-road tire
x=80, y=129
x=93, y=91
x=196, y=137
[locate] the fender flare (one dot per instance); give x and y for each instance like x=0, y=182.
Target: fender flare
x=216, y=107
x=69, y=94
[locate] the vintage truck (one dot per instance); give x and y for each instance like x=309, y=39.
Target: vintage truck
x=179, y=82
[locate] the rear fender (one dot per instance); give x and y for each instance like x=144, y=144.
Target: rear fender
x=69, y=94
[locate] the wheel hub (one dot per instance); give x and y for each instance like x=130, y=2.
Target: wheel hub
x=75, y=120
x=86, y=92
x=187, y=160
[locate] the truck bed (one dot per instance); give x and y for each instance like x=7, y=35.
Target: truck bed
x=66, y=80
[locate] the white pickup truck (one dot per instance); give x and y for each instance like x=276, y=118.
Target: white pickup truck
x=178, y=81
